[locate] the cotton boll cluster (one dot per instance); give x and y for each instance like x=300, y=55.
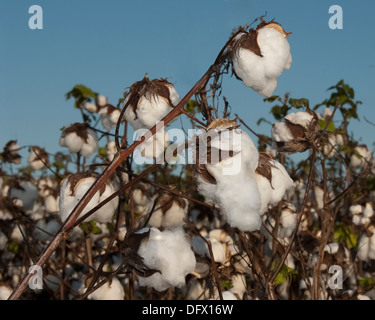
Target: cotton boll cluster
x=167, y=211
x=297, y=132
x=10, y=152
x=26, y=192
x=361, y=156
x=260, y=56
x=273, y=181
x=169, y=252
x=79, y=138
x=228, y=178
x=38, y=158
x=112, y=290
x=361, y=215
x=74, y=187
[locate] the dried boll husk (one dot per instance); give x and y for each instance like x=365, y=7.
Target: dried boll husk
x=297, y=133
x=260, y=55
x=149, y=101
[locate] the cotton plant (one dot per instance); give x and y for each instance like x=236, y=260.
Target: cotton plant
x=260, y=56
x=73, y=189
x=79, y=139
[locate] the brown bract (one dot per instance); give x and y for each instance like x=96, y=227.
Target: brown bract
x=41, y=153
x=166, y=200
x=80, y=129
x=264, y=166
x=148, y=88
x=10, y=155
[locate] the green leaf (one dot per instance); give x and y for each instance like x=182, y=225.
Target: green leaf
x=227, y=284
x=299, y=103
x=270, y=99
x=90, y=227
x=331, y=126
x=280, y=112
x=192, y=106
x=346, y=233
x=102, y=152
x=13, y=246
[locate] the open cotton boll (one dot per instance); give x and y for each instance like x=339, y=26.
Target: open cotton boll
x=111, y=150
x=169, y=252
x=368, y=212
x=51, y=203
x=109, y=116
x=101, y=101
x=79, y=138
x=5, y=292
x=38, y=158
x=260, y=56
x=149, y=101
x=26, y=191
x=74, y=187
x=169, y=211
x=301, y=118
x=90, y=107
x=288, y=222
x=360, y=157
x=111, y=290
x=273, y=181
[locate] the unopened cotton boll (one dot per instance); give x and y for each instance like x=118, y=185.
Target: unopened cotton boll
x=360, y=157
x=72, y=190
x=79, y=138
x=260, y=56
x=149, y=101
x=169, y=252
x=111, y=290
x=25, y=191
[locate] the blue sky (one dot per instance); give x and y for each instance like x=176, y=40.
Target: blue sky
x=108, y=45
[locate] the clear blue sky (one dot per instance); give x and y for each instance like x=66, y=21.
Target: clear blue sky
x=108, y=45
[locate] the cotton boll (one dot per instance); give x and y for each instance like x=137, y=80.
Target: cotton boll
x=361, y=156
x=220, y=253
x=171, y=254
x=51, y=203
x=109, y=116
x=288, y=221
x=38, y=158
x=10, y=153
x=319, y=197
x=101, y=101
x=260, y=57
x=368, y=211
x=281, y=133
x=90, y=107
x=72, y=141
x=111, y=150
x=26, y=191
x=5, y=292
x=111, y=290
x=238, y=285
x=301, y=118
x=79, y=138
x=72, y=190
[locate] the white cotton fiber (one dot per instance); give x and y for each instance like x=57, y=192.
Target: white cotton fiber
x=288, y=222
x=151, y=109
x=168, y=251
x=109, y=117
x=68, y=201
x=77, y=144
x=271, y=192
x=91, y=145
x=361, y=156
x=227, y=295
x=261, y=73
x=201, y=248
x=101, y=101
x=72, y=141
x=111, y=290
x=281, y=133
x=302, y=118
